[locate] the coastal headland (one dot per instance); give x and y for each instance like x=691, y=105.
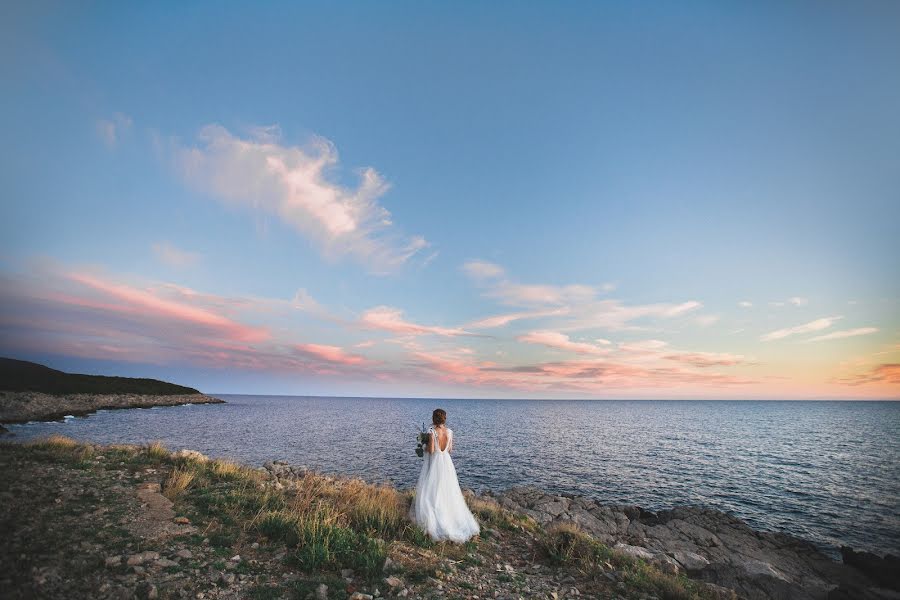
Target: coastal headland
x=34, y=392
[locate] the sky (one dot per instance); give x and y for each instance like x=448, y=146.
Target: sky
x=419, y=199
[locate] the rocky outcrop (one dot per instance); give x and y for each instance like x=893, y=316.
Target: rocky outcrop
x=714, y=547
x=21, y=407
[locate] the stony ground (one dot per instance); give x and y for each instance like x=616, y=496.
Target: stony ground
x=92, y=523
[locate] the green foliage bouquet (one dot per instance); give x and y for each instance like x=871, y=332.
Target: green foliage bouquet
x=422, y=439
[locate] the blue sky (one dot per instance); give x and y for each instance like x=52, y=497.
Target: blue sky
x=312, y=198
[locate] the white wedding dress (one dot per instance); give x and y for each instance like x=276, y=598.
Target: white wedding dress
x=439, y=506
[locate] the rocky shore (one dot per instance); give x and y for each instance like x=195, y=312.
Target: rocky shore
x=21, y=407
x=87, y=521
x=715, y=547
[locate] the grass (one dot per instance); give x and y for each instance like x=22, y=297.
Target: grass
x=567, y=545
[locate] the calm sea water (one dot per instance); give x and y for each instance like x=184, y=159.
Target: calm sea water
x=825, y=471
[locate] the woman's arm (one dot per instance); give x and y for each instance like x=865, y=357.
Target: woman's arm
x=431, y=442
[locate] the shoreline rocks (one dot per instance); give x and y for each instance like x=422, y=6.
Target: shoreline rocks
x=22, y=407
x=714, y=547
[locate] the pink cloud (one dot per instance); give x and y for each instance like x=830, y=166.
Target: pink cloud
x=560, y=341
x=333, y=354
x=391, y=319
x=883, y=373
x=137, y=300
x=503, y=320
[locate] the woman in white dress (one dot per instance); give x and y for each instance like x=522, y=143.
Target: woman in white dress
x=439, y=507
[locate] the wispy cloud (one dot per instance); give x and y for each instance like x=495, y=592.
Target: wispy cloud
x=560, y=341
x=707, y=359
x=391, y=319
x=745, y=304
x=480, y=269
x=111, y=130
x=793, y=300
x=816, y=325
x=883, y=373
x=578, y=304
x=173, y=256
x=707, y=320
x=506, y=319
x=846, y=333
x=296, y=184
x=123, y=298
x=332, y=354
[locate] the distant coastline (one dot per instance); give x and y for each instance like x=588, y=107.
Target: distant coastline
x=34, y=392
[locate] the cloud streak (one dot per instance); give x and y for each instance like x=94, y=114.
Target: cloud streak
x=387, y=318
x=817, y=325
x=560, y=341
x=846, y=333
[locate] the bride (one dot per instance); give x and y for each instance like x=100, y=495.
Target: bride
x=439, y=507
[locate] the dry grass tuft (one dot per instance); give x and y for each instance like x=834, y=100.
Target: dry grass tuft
x=491, y=513
x=156, y=450
x=55, y=442
x=178, y=481
x=230, y=471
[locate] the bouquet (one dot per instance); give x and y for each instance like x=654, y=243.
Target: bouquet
x=422, y=439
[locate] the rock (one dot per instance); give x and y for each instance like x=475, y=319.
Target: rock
x=885, y=571
x=182, y=520
x=393, y=582
x=347, y=573
x=227, y=578
x=635, y=551
x=235, y=558
x=152, y=593
x=142, y=557
x=184, y=553
x=165, y=562
x=361, y=596
x=113, y=561
x=691, y=561
x=191, y=455
x=322, y=592
x=666, y=564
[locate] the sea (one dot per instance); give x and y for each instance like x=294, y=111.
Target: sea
x=825, y=471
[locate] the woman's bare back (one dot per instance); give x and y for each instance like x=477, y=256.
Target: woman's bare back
x=442, y=440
